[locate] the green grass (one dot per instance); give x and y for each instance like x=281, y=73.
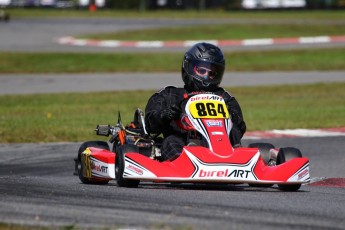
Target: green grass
x=283, y=60
x=72, y=117
x=7, y=226
x=223, y=32
x=281, y=14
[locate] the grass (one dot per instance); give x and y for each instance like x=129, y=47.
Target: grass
x=73, y=116
x=7, y=226
x=223, y=32
x=177, y=14
x=283, y=60
x=317, y=59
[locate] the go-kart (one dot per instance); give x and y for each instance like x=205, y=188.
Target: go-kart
x=208, y=157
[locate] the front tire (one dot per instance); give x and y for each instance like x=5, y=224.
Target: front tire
x=120, y=166
x=264, y=150
x=284, y=155
x=80, y=166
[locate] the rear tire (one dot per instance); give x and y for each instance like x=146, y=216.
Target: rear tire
x=120, y=166
x=96, y=144
x=284, y=155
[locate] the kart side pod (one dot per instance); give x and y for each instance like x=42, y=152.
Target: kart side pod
x=95, y=165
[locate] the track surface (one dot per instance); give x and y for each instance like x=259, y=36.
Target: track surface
x=37, y=186
x=56, y=83
x=34, y=35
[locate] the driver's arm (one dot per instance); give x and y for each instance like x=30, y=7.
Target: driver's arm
x=239, y=126
x=153, y=110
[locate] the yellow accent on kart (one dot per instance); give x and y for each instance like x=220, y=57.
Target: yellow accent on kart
x=85, y=160
x=87, y=151
x=208, y=109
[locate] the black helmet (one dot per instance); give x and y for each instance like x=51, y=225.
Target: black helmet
x=203, y=67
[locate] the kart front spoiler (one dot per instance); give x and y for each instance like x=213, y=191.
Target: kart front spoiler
x=198, y=164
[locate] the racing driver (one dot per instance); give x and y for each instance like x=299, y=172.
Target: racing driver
x=202, y=71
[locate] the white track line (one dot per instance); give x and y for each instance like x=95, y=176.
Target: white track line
x=68, y=40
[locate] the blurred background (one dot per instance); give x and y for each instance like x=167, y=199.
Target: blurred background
x=178, y=4
x=90, y=55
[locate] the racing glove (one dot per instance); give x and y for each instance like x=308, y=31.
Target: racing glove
x=171, y=113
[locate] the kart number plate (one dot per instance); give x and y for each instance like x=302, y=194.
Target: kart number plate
x=208, y=109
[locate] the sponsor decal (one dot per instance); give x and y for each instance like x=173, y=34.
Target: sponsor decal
x=213, y=173
x=217, y=133
x=98, y=168
x=214, y=123
x=223, y=171
x=135, y=169
x=237, y=173
x=206, y=97
x=303, y=173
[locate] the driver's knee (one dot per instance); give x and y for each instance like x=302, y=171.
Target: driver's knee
x=171, y=147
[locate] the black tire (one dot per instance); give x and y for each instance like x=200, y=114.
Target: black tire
x=96, y=144
x=264, y=152
x=120, y=166
x=284, y=155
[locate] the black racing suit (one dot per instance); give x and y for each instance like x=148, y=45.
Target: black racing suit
x=175, y=137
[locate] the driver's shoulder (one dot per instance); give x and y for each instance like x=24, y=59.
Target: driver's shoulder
x=222, y=92
x=170, y=89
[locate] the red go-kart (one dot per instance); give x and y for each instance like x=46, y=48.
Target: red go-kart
x=209, y=156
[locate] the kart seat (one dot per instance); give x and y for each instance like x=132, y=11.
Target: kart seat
x=139, y=121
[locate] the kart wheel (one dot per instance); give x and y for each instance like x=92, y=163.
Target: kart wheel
x=120, y=166
x=264, y=152
x=79, y=165
x=284, y=155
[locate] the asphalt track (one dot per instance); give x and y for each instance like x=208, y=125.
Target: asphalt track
x=37, y=186
x=34, y=34
x=56, y=83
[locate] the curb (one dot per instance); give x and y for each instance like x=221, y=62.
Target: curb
x=328, y=182
x=291, y=133
x=188, y=43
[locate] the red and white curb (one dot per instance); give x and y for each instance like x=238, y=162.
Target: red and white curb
x=328, y=182
x=295, y=133
x=222, y=43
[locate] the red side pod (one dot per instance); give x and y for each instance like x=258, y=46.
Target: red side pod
x=181, y=167
x=236, y=156
x=100, y=164
x=282, y=172
x=103, y=155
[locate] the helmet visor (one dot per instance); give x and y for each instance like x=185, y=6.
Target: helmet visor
x=208, y=73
